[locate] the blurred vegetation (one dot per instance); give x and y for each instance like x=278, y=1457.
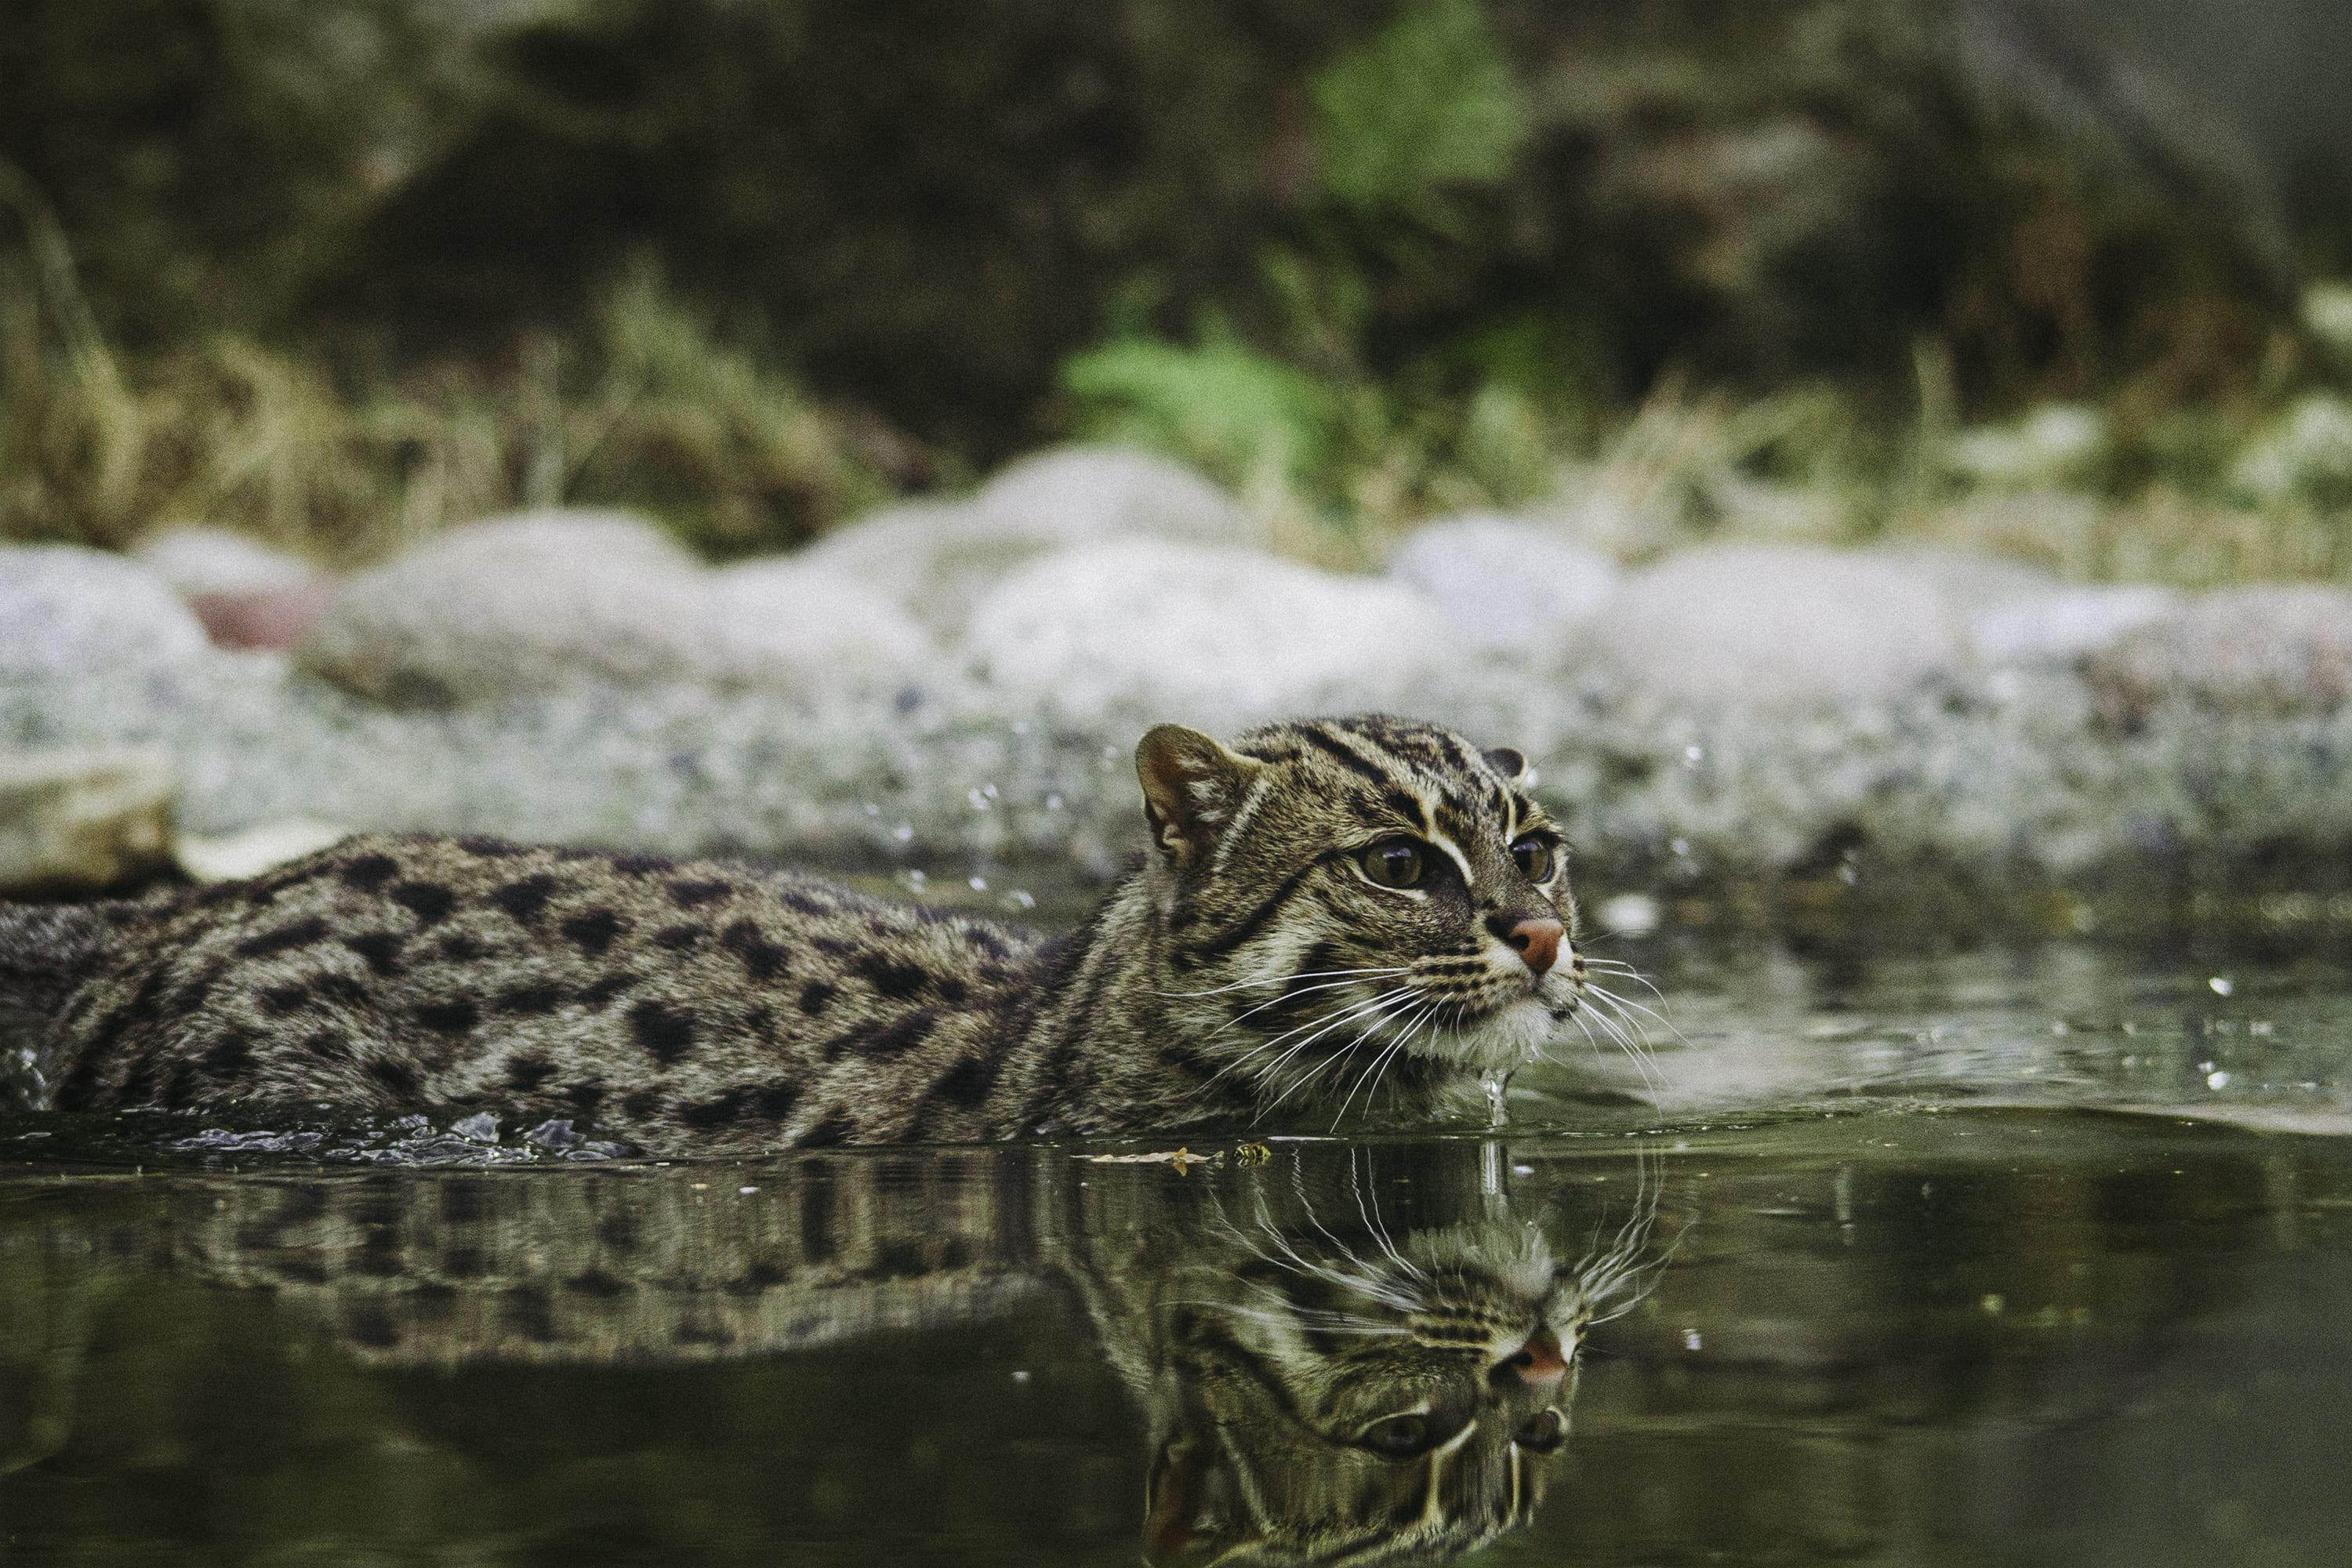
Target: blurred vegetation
x=1813, y=267
x=647, y=406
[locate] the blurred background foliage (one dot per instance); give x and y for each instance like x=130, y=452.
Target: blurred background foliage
x=338, y=274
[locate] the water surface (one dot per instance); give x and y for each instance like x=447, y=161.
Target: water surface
x=2015, y=1256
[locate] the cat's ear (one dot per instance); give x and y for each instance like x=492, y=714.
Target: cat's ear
x=1512, y=764
x=1191, y=1505
x=1192, y=784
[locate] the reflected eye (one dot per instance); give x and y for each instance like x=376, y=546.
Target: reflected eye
x=1542, y=1432
x=1534, y=856
x=1394, y=863
x=1399, y=1437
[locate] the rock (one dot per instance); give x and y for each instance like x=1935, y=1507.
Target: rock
x=65, y=610
x=938, y=558
x=247, y=595
x=1775, y=627
x=83, y=821
x=219, y=561
x=529, y=603
x=1204, y=635
x=1079, y=493
x=269, y=619
x=2305, y=456
x=1504, y=583
x=227, y=857
x=793, y=622
x=2059, y=624
x=2272, y=649
x=1968, y=579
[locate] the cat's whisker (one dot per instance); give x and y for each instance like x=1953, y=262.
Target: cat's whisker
x=1628, y=1040
x=1306, y=990
x=1369, y=1212
x=1624, y=1009
x=1258, y=982
x=1371, y=1072
x=1398, y=1000
x=1298, y=1317
x=1625, y=971
x=1327, y=1020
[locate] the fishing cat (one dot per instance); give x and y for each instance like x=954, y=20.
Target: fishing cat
x=1327, y=1362
x=1331, y=911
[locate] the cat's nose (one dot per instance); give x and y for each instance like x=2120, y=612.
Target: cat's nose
x=1535, y=940
x=1538, y=1361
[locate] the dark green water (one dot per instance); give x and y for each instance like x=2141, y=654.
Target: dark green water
x=2018, y=1258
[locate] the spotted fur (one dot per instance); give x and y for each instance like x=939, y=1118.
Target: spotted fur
x=1250, y=969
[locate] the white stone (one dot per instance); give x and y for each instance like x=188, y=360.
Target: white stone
x=219, y=561
x=1199, y=635
x=1075, y=493
x=65, y=610
x=230, y=856
x=787, y=621
x=2267, y=648
x=2059, y=624
x=1968, y=579
x=528, y=603
x=81, y=821
x=1776, y=626
x=938, y=558
x=1504, y=584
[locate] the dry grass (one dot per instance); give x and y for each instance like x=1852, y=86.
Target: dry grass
x=649, y=407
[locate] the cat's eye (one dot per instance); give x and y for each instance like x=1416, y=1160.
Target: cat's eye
x=1394, y=863
x=1399, y=1437
x=1542, y=1432
x=1534, y=858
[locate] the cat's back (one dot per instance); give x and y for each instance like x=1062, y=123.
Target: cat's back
x=437, y=970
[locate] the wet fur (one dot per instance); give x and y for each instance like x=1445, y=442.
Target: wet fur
x=1244, y=972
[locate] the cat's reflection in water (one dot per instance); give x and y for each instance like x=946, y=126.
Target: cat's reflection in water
x=1338, y=1357
x=1334, y=1391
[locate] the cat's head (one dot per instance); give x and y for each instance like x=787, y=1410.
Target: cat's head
x=1354, y=904
x=1347, y=1396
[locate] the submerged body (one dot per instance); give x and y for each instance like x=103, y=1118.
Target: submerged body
x=1338, y=913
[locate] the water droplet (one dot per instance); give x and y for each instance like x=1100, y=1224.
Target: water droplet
x=2216, y=1080
x=1691, y=1342
x=1053, y=803
x=2221, y=985
x=977, y=884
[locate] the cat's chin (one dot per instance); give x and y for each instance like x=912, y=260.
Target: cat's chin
x=1497, y=1041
